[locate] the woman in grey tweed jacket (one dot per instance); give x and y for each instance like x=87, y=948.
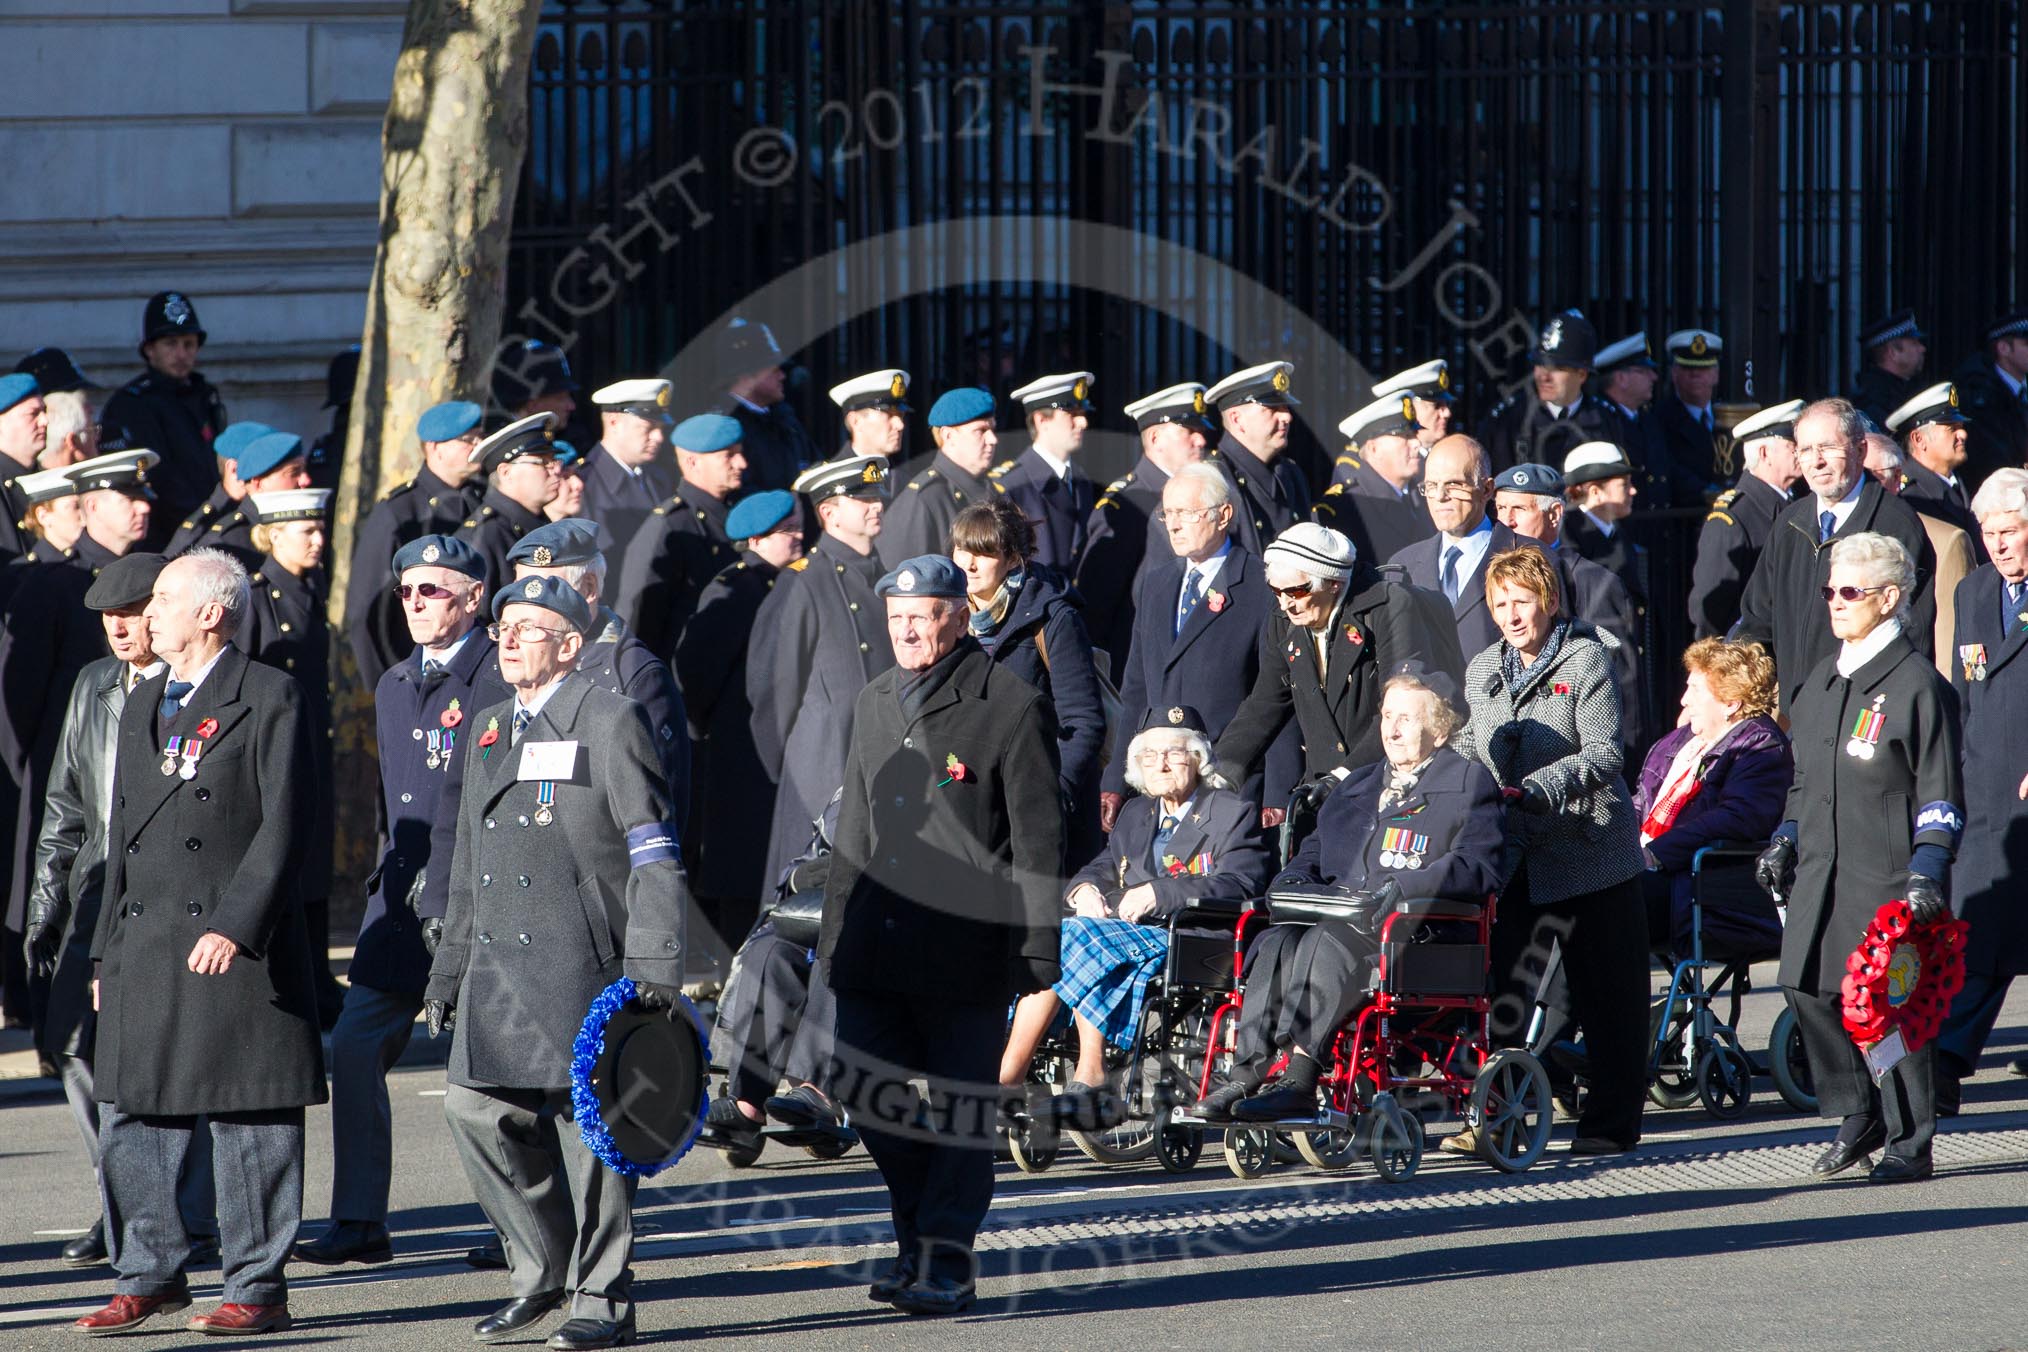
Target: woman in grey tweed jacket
x=1545, y=719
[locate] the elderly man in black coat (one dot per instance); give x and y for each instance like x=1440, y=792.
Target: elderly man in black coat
x=206, y=1001
x=940, y=908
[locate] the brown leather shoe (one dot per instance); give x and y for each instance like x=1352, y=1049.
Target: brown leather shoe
x=125, y=1313
x=230, y=1319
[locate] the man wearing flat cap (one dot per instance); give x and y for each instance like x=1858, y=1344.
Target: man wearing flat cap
x=1993, y=392
x=1255, y=411
x=961, y=424
x=170, y=408
x=1891, y=352
x=252, y=458
x=1044, y=481
x=627, y=474
x=753, y=373
x=941, y=907
x=566, y=876
x=443, y=493
x=682, y=545
x=518, y=463
x=425, y=707
x=817, y=640
x=1552, y=412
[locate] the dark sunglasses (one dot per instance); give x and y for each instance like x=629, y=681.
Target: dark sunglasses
x=1849, y=593
x=430, y=591
x=1295, y=593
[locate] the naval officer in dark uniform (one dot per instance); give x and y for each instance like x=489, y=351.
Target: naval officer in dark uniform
x=1255, y=412
x=941, y=906
x=1688, y=418
x=816, y=641
x=1876, y=812
x=1428, y=384
x=519, y=467
x=1123, y=539
x=436, y=501
x=1993, y=391
x=875, y=409
x=754, y=375
x=170, y=408
x=1932, y=429
x=1375, y=498
x=567, y=794
x=1891, y=352
x=1742, y=517
x=628, y=473
x=1044, y=480
x=961, y=422
x=683, y=545
x=1540, y=422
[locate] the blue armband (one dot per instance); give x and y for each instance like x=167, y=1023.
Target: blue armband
x=1943, y=817
x=651, y=844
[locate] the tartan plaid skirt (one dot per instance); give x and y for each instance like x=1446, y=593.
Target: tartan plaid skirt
x=1107, y=965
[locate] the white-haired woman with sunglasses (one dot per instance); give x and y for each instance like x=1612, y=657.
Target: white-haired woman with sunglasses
x=1875, y=813
x=1186, y=834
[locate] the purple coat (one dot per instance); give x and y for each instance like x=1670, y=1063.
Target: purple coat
x=1743, y=788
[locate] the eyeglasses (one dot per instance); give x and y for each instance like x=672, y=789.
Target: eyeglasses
x=1850, y=593
x=1157, y=757
x=525, y=631
x=429, y=591
x=1449, y=488
x=1188, y=516
x=1295, y=593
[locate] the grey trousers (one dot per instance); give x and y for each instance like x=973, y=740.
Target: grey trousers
x=572, y=1232
x=257, y=1159
x=373, y=1030
x=193, y=1189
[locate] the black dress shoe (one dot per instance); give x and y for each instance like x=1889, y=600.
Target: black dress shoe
x=487, y=1257
x=934, y=1296
x=88, y=1248
x=580, y=1333
x=1842, y=1155
x=1598, y=1145
x=889, y=1284
x=1901, y=1169
x=203, y=1251
x=1216, y=1106
x=1277, y=1101
x=727, y=1125
x=803, y=1108
x=348, y=1242
x=516, y=1315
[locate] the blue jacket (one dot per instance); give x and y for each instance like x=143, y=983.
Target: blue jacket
x=1453, y=833
x=1220, y=840
x=1048, y=607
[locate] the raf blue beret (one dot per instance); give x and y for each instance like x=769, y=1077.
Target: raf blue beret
x=266, y=453
x=234, y=440
x=449, y=421
x=706, y=433
x=16, y=387
x=966, y=404
x=1541, y=480
x=441, y=551
x=931, y=575
x=759, y=514
x=560, y=544
x=552, y=594
x=568, y=457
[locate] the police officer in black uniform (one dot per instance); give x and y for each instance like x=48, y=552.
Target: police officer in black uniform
x=1742, y=517
x=817, y=640
x=1891, y=352
x=1876, y=812
x=170, y=408
x=1625, y=375
x=423, y=707
x=1269, y=491
x=253, y=458
x=531, y=376
x=1553, y=413
x=1993, y=392
x=443, y=493
x=1044, y=480
x=754, y=376
x=1374, y=497
x=519, y=465
x=683, y=544
x=1119, y=542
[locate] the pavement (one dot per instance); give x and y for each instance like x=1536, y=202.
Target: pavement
x=1709, y=1236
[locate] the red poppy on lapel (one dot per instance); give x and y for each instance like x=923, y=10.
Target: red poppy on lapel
x=1216, y=601
x=1559, y=689
x=207, y=727
x=1353, y=635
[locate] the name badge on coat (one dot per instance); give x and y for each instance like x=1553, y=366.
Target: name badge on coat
x=547, y=760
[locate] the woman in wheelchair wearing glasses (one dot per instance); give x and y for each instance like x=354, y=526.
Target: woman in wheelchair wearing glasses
x=1422, y=823
x=1186, y=834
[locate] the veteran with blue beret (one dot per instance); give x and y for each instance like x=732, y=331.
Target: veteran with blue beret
x=252, y=458
x=24, y=425
x=683, y=544
x=961, y=424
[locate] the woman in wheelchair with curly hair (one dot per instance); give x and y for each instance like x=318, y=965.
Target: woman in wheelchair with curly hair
x=1722, y=775
x=1186, y=835
x=1423, y=823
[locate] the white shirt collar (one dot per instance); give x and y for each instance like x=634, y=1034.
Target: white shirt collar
x=749, y=403
x=533, y=704
x=204, y=671
x=1558, y=410
x=2012, y=384
x=450, y=654
x=134, y=675
x=1060, y=468
x=1209, y=569
x=1857, y=653
x=1842, y=509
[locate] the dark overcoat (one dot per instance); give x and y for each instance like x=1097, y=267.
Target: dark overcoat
x=676, y=552
x=1266, y=500
x=921, y=514
x=1989, y=883
x=425, y=505
x=1728, y=546
x=1217, y=851
x=616, y=659
x=725, y=845
x=492, y=529
x=1060, y=506
x=1122, y=541
x=1451, y=825
x=285, y=629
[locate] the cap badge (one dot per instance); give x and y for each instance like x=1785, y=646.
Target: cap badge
x=175, y=309
x=541, y=557
x=1077, y=391
x=1552, y=335
x=1197, y=404
x=1954, y=396
x=898, y=386
x=1176, y=715
x=1697, y=345
x=662, y=397
x=431, y=554
x=533, y=589
x=1408, y=407
x=1521, y=478
x=873, y=473
x=905, y=582
x=1443, y=377
x=1281, y=381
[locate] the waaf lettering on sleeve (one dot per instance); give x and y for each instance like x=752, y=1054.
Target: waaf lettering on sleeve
x=1940, y=816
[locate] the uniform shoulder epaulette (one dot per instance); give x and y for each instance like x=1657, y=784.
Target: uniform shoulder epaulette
x=1000, y=469
x=664, y=508
x=1350, y=461
x=1335, y=490
x=1726, y=499
x=1720, y=514
x=469, y=523
x=138, y=384
x=996, y=486
x=1121, y=484
x=798, y=565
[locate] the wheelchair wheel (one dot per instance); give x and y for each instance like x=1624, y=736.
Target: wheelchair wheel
x=1034, y=1145
x=1789, y=1066
x=1674, y=1082
x=1511, y=1110
x=1249, y=1151
x=1724, y=1080
x=1397, y=1145
x=1177, y=1148
x=828, y=1150
x=1329, y=1150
